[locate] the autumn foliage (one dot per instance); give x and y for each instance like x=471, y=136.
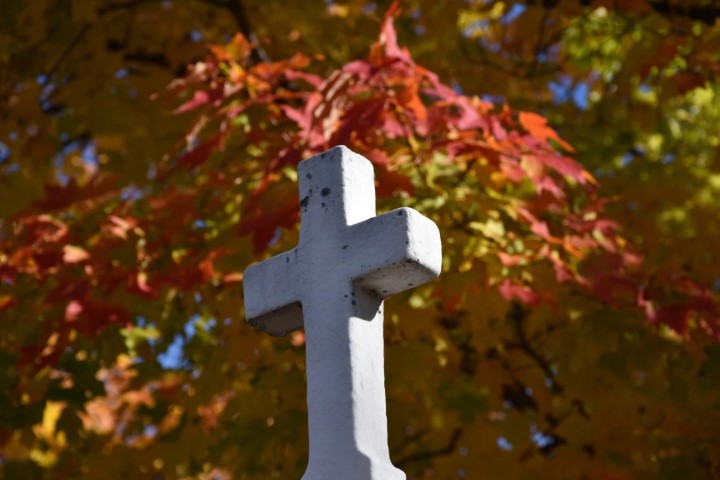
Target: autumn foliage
x=561, y=340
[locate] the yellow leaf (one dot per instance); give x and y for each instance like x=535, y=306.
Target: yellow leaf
x=51, y=414
x=108, y=141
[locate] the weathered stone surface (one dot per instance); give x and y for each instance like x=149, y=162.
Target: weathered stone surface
x=333, y=284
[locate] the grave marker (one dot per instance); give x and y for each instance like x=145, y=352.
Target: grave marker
x=333, y=284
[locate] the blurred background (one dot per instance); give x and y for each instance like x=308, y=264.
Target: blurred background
x=568, y=150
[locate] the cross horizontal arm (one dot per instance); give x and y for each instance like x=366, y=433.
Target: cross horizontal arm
x=402, y=250
x=272, y=300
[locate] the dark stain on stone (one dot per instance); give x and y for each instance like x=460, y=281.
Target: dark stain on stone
x=399, y=213
x=304, y=202
x=345, y=296
x=384, y=291
x=325, y=192
x=287, y=259
x=322, y=204
x=308, y=176
x=354, y=302
x=344, y=247
x=410, y=284
x=323, y=155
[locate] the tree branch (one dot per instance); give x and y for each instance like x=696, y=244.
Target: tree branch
x=123, y=5
x=517, y=316
x=237, y=8
x=432, y=453
x=408, y=440
x=68, y=48
x=704, y=13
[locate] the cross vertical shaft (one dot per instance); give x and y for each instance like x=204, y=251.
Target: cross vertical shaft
x=345, y=378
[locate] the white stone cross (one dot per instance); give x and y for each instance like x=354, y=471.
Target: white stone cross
x=333, y=283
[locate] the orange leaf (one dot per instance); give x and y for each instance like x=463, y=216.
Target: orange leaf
x=390, y=181
x=537, y=126
x=6, y=301
x=233, y=277
x=510, y=260
x=72, y=254
x=297, y=339
x=142, y=282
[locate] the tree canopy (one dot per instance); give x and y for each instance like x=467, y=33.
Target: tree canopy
x=568, y=149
